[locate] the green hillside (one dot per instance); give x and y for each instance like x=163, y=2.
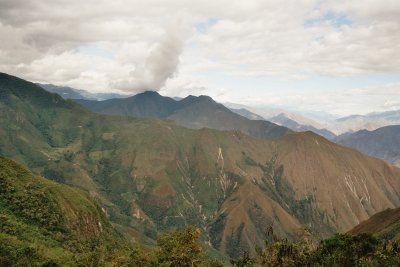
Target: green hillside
x=43, y=222
x=152, y=176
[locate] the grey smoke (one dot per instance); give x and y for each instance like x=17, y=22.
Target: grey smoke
x=161, y=64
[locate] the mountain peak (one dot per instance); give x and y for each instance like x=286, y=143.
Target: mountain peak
x=201, y=98
x=205, y=97
x=149, y=93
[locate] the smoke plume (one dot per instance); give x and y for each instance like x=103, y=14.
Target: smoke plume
x=161, y=64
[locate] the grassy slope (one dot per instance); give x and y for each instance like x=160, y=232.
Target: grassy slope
x=349, y=187
x=152, y=175
x=42, y=221
x=385, y=224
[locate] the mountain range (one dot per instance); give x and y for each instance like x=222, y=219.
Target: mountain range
x=382, y=143
x=326, y=125
x=371, y=121
x=292, y=121
x=72, y=93
x=151, y=175
x=191, y=112
x=198, y=112
x=285, y=120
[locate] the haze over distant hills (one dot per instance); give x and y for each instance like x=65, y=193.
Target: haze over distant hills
x=72, y=93
x=247, y=114
x=151, y=175
x=369, y=122
x=285, y=120
x=292, y=121
x=382, y=143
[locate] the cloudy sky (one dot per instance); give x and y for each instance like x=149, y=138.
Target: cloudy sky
x=341, y=57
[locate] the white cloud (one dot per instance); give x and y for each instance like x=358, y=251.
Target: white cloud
x=168, y=45
x=339, y=102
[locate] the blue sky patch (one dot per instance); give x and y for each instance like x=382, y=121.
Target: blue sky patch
x=336, y=20
x=205, y=26
x=96, y=50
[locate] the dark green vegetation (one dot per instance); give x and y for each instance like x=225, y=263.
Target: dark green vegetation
x=192, y=112
x=342, y=250
x=43, y=223
x=152, y=176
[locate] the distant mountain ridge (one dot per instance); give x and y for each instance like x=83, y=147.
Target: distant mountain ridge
x=328, y=125
x=371, y=122
x=382, y=143
x=294, y=122
x=247, y=114
x=72, y=93
x=192, y=112
x=284, y=120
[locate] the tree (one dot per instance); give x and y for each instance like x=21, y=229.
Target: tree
x=181, y=248
x=244, y=261
x=282, y=252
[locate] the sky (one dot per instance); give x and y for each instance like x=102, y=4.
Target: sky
x=339, y=57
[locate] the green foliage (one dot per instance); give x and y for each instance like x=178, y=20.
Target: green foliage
x=282, y=252
x=180, y=248
x=47, y=224
x=244, y=261
x=36, y=206
x=30, y=201
x=175, y=249
x=355, y=250
x=214, y=263
x=342, y=250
